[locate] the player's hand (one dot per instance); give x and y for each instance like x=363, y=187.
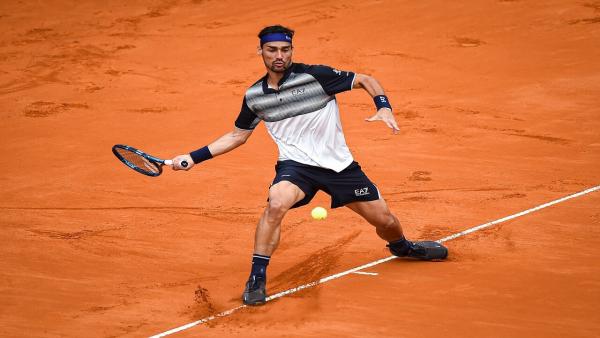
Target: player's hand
x=385, y=115
x=177, y=162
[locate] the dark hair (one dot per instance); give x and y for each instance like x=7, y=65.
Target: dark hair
x=276, y=29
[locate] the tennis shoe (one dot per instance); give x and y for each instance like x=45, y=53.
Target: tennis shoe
x=255, y=293
x=423, y=250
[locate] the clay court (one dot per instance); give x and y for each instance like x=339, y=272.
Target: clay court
x=499, y=108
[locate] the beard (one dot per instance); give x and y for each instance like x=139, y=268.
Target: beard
x=279, y=68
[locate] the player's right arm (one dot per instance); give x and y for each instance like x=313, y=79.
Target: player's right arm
x=229, y=141
x=244, y=125
x=222, y=145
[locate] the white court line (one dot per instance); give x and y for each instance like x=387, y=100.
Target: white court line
x=383, y=260
x=366, y=273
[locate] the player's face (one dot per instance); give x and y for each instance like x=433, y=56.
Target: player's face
x=277, y=55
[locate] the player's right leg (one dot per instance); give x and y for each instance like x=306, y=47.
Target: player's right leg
x=282, y=197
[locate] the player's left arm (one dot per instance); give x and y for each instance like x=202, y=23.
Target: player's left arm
x=384, y=111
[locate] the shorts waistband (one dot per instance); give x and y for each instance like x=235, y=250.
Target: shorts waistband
x=292, y=163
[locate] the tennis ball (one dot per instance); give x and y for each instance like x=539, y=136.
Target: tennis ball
x=318, y=213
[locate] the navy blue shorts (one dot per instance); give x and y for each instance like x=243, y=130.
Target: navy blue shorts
x=349, y=185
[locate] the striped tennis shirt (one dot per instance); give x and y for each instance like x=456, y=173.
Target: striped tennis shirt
x=302, y=117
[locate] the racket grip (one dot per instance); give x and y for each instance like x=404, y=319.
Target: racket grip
x=169, y=162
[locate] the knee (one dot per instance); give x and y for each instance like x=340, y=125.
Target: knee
x=276, y=208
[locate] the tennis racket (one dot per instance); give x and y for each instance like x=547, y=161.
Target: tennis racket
x=140, y=161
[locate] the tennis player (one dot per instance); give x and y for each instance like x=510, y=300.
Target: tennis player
x=298, y=105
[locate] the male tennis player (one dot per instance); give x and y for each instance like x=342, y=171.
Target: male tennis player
x=298, y=104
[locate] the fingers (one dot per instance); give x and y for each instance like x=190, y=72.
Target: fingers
x=375, y=117
x=188, y=164
x=391, y=124
x=394, y=126
x=388, y=118
x=178, y=166
x=179, y=160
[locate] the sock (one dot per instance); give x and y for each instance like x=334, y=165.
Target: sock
x=259, y=266
x=399, y=247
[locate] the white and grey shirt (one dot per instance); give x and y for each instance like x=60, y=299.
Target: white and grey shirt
x=302, y=116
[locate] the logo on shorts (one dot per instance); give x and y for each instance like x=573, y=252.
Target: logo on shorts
x=362, y=192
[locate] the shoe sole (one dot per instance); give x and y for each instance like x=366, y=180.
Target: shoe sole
x=258, y=303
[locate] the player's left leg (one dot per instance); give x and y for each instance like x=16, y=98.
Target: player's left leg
x=352, y=188
x=378, y=214
x=388, y=228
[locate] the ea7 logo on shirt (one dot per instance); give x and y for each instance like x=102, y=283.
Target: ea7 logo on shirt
x=362, y=192
x=338, y=72
x=298, y=91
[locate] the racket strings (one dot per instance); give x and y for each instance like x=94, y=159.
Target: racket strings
x=139, y=161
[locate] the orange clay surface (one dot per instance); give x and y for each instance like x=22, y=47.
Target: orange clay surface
x=498, y=103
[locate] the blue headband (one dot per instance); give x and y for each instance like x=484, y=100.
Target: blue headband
x=275, y=37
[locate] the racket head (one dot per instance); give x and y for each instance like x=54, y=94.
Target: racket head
x=138, y=160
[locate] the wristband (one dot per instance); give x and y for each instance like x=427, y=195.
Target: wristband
x=201, y=154
x=381, y=101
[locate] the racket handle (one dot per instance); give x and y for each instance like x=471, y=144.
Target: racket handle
x=169, y=162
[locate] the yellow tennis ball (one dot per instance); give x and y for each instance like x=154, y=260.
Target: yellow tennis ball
x=318, y=213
